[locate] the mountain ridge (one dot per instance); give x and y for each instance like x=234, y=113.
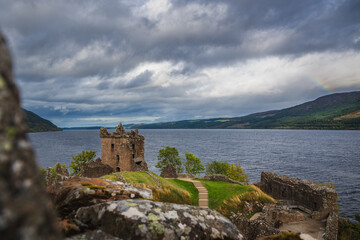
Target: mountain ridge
x=38, y=124
x=333, y=111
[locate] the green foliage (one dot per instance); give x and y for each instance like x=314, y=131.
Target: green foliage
x=219, y=191
x=43, y=176
x=169, y=155
x=53, y=171
x=348, y=230
x=357, y=217
x=193, y=164
x=217, y=167
x=79, y=159
x=237, y=173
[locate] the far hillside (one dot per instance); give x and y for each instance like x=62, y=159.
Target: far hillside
x=335, y=111
x=39, y=124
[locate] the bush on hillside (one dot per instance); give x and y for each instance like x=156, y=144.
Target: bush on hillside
x=193, y=164
x=348, y=230
x=79, y=159
x=217, y=167
x=169, y=155
x=237, y=173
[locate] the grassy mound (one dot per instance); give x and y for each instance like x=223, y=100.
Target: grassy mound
x=236, y=202
x=139, y=177
x=169, y=190
x=220, y=191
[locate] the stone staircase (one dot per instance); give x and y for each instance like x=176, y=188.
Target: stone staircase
x=203, y=193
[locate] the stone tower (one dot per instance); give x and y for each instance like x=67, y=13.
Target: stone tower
x=123, y=151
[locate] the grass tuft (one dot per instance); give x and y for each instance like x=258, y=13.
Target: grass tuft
x=220, y=191
x=236, y=202
x=171, y=190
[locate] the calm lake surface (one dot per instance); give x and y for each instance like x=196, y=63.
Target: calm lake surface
x=320, y=156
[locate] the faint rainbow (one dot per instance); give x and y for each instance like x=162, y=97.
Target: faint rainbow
x=320, y=84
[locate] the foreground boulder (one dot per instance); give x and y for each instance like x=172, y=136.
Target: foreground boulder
x=25, y=212
x=144, y=219
x=78, y=192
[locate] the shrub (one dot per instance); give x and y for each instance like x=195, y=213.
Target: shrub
x=217, y=167
x=79, y=159
x=43, y=176
x=237, y=173
x=169, y=155
x=193, y=164
x=349, y=230
x=53, y=171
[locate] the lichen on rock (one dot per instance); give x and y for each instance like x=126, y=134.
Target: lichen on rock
x=144, y=219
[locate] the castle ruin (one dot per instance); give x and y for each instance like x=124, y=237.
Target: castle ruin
x=123, y=151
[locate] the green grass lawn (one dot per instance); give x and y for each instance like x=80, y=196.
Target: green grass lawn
x=220, y=191
x=139, y=177
x=188, y=186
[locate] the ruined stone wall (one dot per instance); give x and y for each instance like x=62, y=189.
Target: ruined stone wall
x=123, y=151
x=94, y=169
x=319, y=199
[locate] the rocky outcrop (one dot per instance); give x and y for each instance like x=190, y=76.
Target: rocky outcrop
x=319, y=199
x=25, y=212
x=331, y=229
x=56, y=174
x=94, y=169
x=78, y=192
x=276, y=214
x=221, y=177
x=144, y=219
x=253, y=229
x=169, y=171
x=93, y=235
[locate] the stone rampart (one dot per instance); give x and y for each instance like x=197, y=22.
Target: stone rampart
x=320, y=200
x=95, y=169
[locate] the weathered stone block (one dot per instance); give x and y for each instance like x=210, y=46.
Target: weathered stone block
x=319, y=199
x=144, y=219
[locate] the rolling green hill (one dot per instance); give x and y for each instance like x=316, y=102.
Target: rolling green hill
x=39, y=124
x=335, y=111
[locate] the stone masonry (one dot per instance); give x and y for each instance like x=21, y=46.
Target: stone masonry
x=123, y=151
x=320, y=200
x=94, y=169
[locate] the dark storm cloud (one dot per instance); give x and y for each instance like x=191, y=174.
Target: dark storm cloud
x=162, y=59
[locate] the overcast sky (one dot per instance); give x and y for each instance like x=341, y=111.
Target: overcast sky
x=91, y=62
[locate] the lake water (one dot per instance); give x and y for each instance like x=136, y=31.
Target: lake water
x=320, y=156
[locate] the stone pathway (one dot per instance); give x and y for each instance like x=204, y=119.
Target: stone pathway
x=203, y=193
